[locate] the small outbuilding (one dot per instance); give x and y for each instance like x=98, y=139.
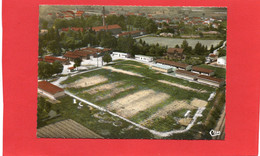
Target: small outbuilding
x=144, y=58
x=50, y=90
x=222, y=60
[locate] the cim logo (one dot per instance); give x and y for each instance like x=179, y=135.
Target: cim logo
x=214, y=133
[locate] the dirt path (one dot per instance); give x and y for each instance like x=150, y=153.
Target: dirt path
x=103, y=87
x=122, y=71
x=87, y=81
x=218, y=97
x=181, y=86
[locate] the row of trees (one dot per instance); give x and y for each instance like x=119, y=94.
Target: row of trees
x=125, y=22
x=198, y=50
x=46, y=70
x=53, y=42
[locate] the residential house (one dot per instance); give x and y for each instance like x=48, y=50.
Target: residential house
x=176, y=53
x=114, y=29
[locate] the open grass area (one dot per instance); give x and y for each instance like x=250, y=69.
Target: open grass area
x=219, y=72
x=130, y=85
x=99, y=122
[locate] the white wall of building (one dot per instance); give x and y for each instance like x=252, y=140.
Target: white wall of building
x=221, y=61
x=144, y=58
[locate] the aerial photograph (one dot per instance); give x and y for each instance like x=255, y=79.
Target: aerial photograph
x=131, y=72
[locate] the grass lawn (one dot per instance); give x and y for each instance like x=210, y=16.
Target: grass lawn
x=147, y=82
x=103, y=125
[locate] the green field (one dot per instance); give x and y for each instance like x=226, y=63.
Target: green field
x=148, y=82
x=172, y=42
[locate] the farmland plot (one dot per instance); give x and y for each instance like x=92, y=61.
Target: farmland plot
x=140, y=101
x=87, y=81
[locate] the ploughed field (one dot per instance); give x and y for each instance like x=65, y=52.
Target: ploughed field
x=134, y=91
x=172, y=42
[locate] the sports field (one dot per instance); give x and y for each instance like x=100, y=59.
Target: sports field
x=137, y=93
x=172, y=42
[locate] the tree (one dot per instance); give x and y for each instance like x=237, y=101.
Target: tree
x=77, y=62
x=107, y=58
x=44, y=24
x=45, y=70
x=43, y=108
x=57, y=67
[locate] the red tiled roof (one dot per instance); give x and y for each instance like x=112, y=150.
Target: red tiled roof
x=84, y=52
x=48, y=87
x=79, y=12
x=172, y=63
x=108, y=27
x=71, y=68
x=212, y=55
x=210, y=78
x=52, y=59
x=76, y=29
x=188, y=73
x=70, y=54
x=130, y=13
x=173, y=50
x=203, y=70
x=129, y=33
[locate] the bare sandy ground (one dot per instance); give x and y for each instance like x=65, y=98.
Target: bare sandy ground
x=168, y=109
x=87, y=81
x=199, y=103
x=185, y=121
x=113, y=93
x=103, y=87
x=132, y=104
x=121, y=71
x=181, y=86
